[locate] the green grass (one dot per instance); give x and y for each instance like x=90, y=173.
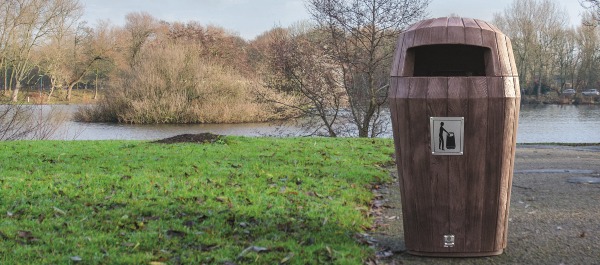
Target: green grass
x=296, y=200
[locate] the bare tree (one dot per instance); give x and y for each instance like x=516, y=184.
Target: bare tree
x=360, y=42
x=139, y=28
x=297, y=66
x=566, y=59
x=534, y=27
x=594, y=10
x=5, y=25
x=29, y=23
x=71, y=55
x=588, y=40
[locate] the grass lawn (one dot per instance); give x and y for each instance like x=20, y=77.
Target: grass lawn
x=237, y=201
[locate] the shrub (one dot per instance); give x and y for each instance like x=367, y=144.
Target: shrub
x=172, y=83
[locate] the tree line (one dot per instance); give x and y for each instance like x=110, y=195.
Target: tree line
x=332, y=70
x=550, y=54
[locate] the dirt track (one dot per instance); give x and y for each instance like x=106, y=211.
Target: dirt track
x=552, y=221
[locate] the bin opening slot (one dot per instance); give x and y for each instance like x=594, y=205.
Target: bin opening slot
x=449, y=60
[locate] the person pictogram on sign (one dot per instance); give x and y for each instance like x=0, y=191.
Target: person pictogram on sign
x=442, y=130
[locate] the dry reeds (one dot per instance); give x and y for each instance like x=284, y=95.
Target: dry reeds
x=173, y=84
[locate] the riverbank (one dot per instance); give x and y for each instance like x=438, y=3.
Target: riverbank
x=33, y=97
x=225, y=200
x=552, y=220
x=554, y=98
x=86, y=96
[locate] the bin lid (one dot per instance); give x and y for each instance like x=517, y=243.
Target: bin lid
x=456, y=31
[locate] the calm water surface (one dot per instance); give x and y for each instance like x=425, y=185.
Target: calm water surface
x=537, y=123
x=559, y=123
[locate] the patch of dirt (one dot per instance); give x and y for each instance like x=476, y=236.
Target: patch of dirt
x=201, y=138
x=551, y=220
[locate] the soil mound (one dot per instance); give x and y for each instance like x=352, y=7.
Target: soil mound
x=201, y=138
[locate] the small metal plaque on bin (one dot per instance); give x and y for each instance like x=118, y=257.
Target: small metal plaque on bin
x=447, y=135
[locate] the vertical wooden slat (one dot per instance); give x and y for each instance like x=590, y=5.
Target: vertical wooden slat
x=476, y=122
x=437, y=106
x=505, y=62
x=492, y=63
x=419, y=158
x=511, y=57
x=394, y=115
x=397, y=56
x=401, y=61
x=409, y=199
x=517, y=88
x=423, y=34
x=515, y=124
x=407, y=61
x=438, y=31
x=456, y=31
x=493, y=162
x=400, y=116
x=506, y=151
x=458, y=106
x=472, y=32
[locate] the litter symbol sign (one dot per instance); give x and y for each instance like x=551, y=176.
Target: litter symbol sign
x=447, y=135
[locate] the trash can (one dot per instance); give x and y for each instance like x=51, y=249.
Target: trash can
x=454, y=100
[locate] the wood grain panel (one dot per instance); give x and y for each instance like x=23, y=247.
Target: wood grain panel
x=407, y=61
x=476, y=122
x=406, y=39
x=423, y=34
x=456, y=31
x=458, y=106
x=472, y=32
x=512, y=162
x=419, y=158
x=418, y=90
x=509, y=87
x=438, y=31
x=494, y=149
x=511, y=57
x=401, y=138
x=492, y=63
x=397, y=56
x=437, y=106
x=517, y=88
x=505, y=65
x=409, y=204
x=394, y=115
x=507, y=158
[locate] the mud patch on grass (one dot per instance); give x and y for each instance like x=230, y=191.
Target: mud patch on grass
x=201, y=138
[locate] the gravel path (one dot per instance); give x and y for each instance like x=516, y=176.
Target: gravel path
x=552, y=220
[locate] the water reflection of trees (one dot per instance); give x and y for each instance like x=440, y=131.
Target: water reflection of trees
x=31, y=122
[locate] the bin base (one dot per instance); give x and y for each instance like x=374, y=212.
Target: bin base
x=455, y=254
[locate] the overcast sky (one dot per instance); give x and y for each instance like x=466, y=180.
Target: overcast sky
x=249, y=18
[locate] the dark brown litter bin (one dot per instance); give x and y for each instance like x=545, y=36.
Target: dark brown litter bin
x=454, y=99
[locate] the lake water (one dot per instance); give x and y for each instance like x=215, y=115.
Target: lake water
x=537, y=123
x=559, y=123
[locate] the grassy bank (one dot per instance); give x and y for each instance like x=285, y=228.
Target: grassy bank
x=32, y=96
x=242, y=200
